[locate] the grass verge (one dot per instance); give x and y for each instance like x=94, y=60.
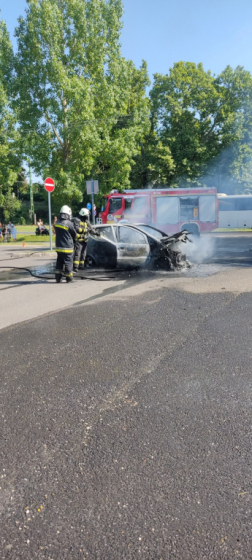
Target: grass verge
x=30, y=228
x=38, y=239
x=232, y=230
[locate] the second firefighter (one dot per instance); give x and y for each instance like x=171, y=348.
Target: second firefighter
x=82, y=225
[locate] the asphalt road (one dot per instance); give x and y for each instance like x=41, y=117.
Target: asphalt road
x=126, y=418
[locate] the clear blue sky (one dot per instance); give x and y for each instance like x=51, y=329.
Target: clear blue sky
x=214, y=32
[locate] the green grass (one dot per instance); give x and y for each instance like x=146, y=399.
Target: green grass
x=225, y=230
x=30, y=228
x=31, y=239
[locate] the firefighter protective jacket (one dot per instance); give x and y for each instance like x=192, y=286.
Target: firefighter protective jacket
x=65, y=235
x=83, y=229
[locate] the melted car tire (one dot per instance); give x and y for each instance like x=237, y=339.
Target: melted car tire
x=90, y=263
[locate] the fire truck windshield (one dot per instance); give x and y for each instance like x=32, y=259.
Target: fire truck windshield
x=115, y=204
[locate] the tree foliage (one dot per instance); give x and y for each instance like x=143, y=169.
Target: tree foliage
x=154, y=164
x=10, y=156
x=200, y=117
x=71, y=103
x=233, y=168
x=82, y=106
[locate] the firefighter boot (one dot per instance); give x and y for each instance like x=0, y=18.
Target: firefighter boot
x=76, y=264
x=82, y=265
x=69, y=279
x=58, y=277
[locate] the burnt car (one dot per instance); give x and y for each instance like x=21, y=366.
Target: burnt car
x=135, y=246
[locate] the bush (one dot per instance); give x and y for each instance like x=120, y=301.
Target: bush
x=22, y=221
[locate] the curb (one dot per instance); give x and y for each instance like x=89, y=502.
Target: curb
x=31, y=254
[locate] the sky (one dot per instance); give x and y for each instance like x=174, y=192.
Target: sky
x=162, y=32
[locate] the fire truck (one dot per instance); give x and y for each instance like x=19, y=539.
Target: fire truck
x=169, y=210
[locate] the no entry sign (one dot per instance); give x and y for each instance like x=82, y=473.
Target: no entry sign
x=49, y=185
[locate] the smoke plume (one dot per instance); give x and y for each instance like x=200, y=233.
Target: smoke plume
x=201, y=250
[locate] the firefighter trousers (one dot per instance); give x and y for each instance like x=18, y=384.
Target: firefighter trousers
x=64, y=264
x=79, y=254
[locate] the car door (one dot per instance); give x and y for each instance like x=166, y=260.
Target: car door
x=102, y=251
x=132, y=247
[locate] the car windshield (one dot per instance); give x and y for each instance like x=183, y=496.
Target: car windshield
x=151, y=231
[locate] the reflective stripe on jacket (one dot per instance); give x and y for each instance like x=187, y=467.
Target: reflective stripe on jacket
x=82, y=229
x=83, y=236
x=65, y=236
x=85, y=228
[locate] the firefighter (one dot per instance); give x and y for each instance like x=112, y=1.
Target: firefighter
x=65, y=238
x=82, y=225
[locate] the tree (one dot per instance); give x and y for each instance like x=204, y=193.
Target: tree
x=10, y=155
x=199, y=117
x=126, y=136
x=235, y=164
x=231, y=170
x=153, y=164
x=82, y=106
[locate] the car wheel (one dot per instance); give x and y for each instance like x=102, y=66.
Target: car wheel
x=90, y=263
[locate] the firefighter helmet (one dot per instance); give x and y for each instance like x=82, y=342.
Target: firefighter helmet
x=84, y=212
x=66, y=210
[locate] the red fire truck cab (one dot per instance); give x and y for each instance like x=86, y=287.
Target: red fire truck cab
x=169, y=210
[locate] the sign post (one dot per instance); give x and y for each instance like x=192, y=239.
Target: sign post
x=92, y=188
x=49, y=187
x=92, y=194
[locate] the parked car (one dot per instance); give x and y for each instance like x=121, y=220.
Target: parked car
x=134, y=246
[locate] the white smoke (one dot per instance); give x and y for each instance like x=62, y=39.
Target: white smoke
x=201, y=250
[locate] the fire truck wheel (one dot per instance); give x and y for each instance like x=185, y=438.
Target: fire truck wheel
x=191, y=228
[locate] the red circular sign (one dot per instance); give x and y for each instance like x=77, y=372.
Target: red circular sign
x=49, y=184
